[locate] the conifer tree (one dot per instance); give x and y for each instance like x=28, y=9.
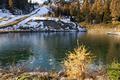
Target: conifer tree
x=97, y=10
x=78, y=11
x=107, y=13
x=115, y=10
x=10, y=4
x=73, y=10
x=86, y=9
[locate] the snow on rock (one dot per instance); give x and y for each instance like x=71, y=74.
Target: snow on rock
x=81, y=29
x=8, y=17
x=33, y=24
x=30, y=21
x=51, y=18
x=42, y=11
x=5, y=14
x=66, y=20
x=24, y=21
x=46, y=28
x=38, y=18
x=41, y=25
x=38, y=12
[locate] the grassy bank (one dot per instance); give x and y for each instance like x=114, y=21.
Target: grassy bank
x=76, y=67
x=102, y=27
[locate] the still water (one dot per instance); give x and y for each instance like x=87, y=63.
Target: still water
x=46, y=51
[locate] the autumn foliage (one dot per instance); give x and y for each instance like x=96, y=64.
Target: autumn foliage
x=77, y=62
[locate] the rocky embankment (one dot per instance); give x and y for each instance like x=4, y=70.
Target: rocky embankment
x=45, y=26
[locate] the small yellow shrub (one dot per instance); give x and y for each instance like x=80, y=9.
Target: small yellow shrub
x=77, y=63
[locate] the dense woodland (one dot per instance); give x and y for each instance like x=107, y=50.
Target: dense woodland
x=23, y=5
x=92, y=11
x=20, y=4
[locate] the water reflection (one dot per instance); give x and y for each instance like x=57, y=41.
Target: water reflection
x=106, y=48
x=47, y=50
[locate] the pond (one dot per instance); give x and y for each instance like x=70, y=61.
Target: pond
x=46, y=51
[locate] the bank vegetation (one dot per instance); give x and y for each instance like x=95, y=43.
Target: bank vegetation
x=76, y=67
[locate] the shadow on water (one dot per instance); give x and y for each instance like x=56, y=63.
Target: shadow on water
x=47, y=50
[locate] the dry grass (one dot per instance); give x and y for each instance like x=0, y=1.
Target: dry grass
x=3, y=19
x=102, y=27
x=15, y=22
x=26, y=75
